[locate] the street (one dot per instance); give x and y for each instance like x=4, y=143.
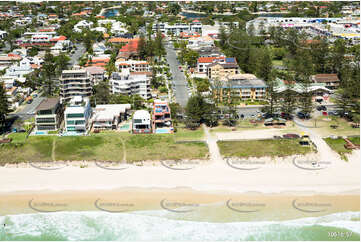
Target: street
x=74, y=58
x=179, y=81
x=29, y=110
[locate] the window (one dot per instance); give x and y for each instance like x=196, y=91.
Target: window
x=79, y=122
x=75, y=115
x=70, y=122
x=45, y=120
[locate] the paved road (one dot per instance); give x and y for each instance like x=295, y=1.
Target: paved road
x=29, y=110
x=179, y=80
x=74, y=58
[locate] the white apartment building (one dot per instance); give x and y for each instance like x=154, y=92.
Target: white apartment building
x=178, y=28
x=77, y=115
x=133, y=65
x=130, y=84
x=75, y=83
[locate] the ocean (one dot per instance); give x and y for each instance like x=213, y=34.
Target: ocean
x=156, y=225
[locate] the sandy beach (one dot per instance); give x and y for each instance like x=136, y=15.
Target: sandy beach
x=273, y=176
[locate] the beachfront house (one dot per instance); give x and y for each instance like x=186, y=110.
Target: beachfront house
x=77, y=115
x=109, y=116
x=141, y=122
x=49, y=115
x=161, y=119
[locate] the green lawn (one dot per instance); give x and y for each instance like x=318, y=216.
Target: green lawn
x=323, y=123
x=277, y=62
x=338, y=145
x=183, y=134
x=260, y=148
x=162, y=147
x=34, y=149
x=17, y=137
x=100, y=148
x=106, y=146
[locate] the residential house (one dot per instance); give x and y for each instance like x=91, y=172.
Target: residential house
x=128, y=83
x=196, y=43
x=331, y=80
x=108, y=116
x=75, y=83
x=96, y=72
x=99, y=48
x=77, y=115
x=9, y=59
x=49, y=115
x=82, y=25
x=161, y=118
x=141, y=122
x=129, y=50
x=101, y=61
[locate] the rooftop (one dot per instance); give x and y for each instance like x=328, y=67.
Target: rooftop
x=48, y=103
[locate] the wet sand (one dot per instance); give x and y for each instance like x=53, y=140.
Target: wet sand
x=184, y=203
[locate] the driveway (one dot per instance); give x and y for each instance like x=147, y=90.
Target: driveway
x=179, y=80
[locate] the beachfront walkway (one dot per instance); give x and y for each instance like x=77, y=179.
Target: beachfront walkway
x=215, y=155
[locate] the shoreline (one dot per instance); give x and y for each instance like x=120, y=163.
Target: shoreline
x=225, y=206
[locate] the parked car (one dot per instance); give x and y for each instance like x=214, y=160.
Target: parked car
x=302, y=115
x=321, y=108
x=333, y=113
x=291, y=136
x=286, y=116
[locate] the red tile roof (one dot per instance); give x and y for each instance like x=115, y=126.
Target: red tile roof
x=131, y=46
x=58, y=38
x=209, y=59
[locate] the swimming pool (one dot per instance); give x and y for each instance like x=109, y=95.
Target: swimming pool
x=41, y=132
x=162, y=131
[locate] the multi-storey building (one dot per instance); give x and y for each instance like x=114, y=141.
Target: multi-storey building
x=141, y=122
x=133, y=65
x=77, y=115
x=161, y=119
x=75, y=83
x=130, y=84
x=221, y=70
x=244, y=86
x=178, y=28
x=49, y=115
